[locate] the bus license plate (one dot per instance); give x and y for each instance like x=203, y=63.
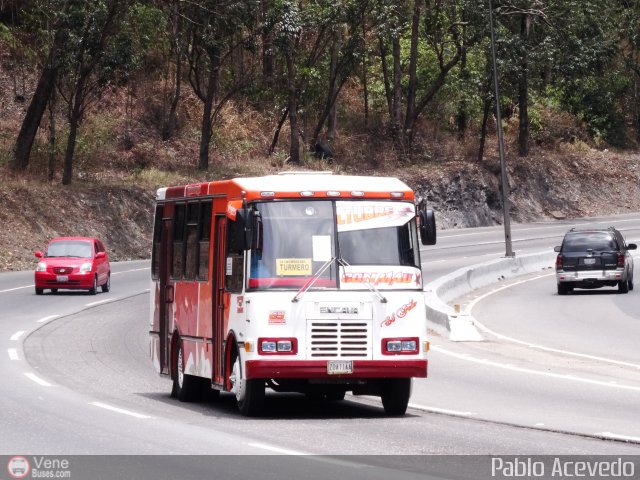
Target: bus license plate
x=62, y=278
x=339, y=367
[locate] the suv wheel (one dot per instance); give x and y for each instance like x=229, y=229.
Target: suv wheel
x=563, y=289
x=623, y=286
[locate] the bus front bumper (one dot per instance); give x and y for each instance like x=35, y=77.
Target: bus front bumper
x=318, y=369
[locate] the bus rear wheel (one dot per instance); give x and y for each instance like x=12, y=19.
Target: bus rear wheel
x=395, y=395
x=249, y=393
x=186, y=388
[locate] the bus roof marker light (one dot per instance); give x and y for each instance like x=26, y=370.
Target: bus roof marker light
x=333, y=193
x=357, y=193
x=267, y=194
x=307, y=193
x=397, y=194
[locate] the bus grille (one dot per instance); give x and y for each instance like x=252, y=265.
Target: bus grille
x=339, y=338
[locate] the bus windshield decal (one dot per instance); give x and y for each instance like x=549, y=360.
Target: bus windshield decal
x=369, y=215
x=293, y=266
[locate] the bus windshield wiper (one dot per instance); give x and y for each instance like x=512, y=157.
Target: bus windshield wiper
x=313, y=279
x=370, y=286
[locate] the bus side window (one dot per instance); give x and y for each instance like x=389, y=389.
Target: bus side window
x=177, y=266
x=157, y=235
x=191, y=238
x=204, y=239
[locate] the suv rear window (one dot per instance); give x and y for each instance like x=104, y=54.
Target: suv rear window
x=581, y=242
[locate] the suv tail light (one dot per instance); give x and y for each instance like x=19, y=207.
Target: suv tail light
x=620, y=259
x=559, y=262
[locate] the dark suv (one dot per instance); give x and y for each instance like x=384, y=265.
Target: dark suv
x=593, y=259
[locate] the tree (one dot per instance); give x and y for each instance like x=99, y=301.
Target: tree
x=92, y=57
x=216, y=30
x=52, y=48
x=287, y=30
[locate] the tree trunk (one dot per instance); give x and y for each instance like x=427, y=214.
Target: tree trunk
x=51, y=167
x=170, y=121
x=483, y=130
x=386, y=76
x=523, y=94
x=206, y=130
x=67, y=173
x=294, y=147
x=413, y=66
x=396, y=111
x=462, y=117
x=31, y=121
x=365, y=80
x=267, y=50
x=276, y=134
x=333, y=72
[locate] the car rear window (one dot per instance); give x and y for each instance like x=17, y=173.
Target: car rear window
x=602, y=242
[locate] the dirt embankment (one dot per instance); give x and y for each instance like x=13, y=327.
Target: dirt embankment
x=541, y=187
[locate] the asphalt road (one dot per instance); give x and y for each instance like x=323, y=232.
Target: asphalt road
x=78, y=380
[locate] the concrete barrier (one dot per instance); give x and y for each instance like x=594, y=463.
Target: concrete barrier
x=445, y=289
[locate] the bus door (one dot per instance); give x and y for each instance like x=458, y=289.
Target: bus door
x=160, y=272
x=219, y=269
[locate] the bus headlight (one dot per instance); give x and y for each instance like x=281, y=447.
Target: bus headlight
x=277, y=346
x=400, y=346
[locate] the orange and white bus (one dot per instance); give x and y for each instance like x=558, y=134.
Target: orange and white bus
x=298, y=282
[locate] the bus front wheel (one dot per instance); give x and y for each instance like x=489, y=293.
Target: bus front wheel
x=249, y=393
x=395, y=395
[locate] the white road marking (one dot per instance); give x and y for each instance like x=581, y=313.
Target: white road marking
x=16, y=336
x=533, y=345
x=530, y=371
x=92, y=304
x=283, y=451
x=16, y=288
x=119, y=410
x=46, y=319
x=456, y=413
x=13, y=354
x=33, y=377
x=615, y=436
x=132, y=270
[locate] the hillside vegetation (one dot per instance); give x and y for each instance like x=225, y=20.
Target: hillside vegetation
x=103, y=102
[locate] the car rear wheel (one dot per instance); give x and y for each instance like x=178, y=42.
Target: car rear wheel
x=186, y=388
x=39, y=291
x=563, y=289
x=107, y=285
x=630, y=283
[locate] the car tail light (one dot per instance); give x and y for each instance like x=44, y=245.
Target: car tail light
x=559, y=262
x=621, y=260
x=277, y=346
x=400, y=346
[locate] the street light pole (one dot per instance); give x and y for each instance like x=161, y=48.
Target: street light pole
x=503, y=167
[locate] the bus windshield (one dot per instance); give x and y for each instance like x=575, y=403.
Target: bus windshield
x=365, y=242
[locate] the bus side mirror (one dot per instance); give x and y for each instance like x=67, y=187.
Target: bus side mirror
x=427, y=222
x=242, y=229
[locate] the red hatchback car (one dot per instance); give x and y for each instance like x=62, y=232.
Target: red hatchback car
x=75, y=263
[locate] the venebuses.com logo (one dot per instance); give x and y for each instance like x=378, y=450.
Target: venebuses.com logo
x=38, y=467
x=18, y=467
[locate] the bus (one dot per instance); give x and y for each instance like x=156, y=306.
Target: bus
x=296, y=282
